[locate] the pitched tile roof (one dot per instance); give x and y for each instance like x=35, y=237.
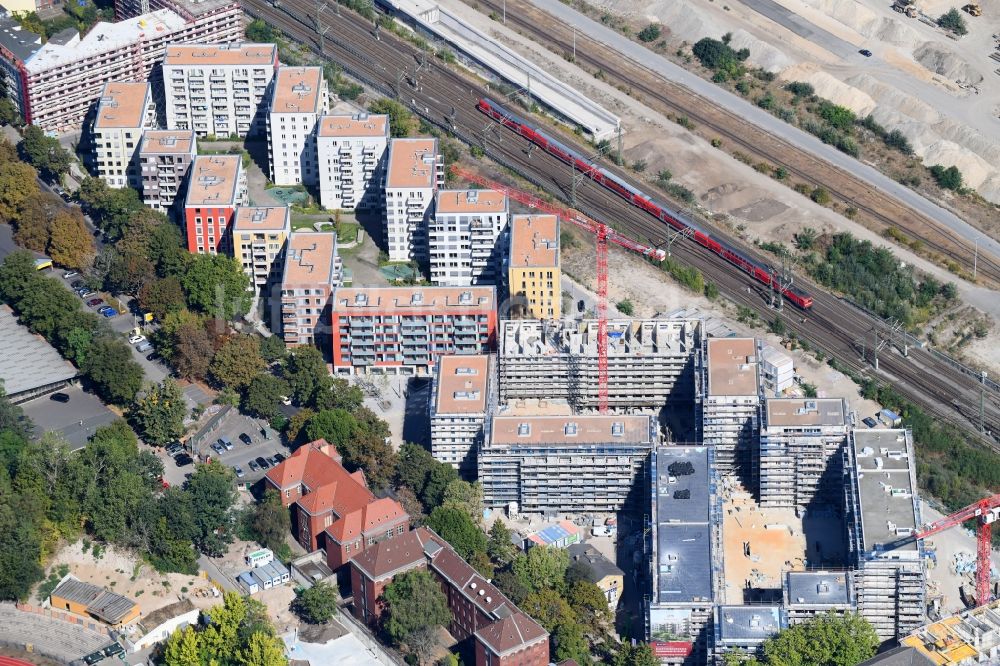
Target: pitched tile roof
x=511, y=633
x=312, y=464
x=381, y=512
x=402, y=552
x=464, y=578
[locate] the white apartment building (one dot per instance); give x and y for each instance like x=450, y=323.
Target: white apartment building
x=312, y=270
x=298, y=99
x=414, y=173
x=165, y=157
x=124, y=111
x=464, y=236
x=218, y=89
x=730, y=405
x=351, y=152
x=460, y=406
x=259, y=236
x=61, y=79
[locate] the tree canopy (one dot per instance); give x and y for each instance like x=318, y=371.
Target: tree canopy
x=317, y=604
x=237, y=633
x=216, y=284
x=455, y=527
x=44, y=153
x=158, y=415
x=414, y=602
x=831, y=639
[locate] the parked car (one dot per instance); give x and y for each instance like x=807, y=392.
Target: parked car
x=153, y=357
x=226, y=442
x=581, y=306
x=183, y=459
x=173, y=448
x=280, y=458
x=869, y=421
x=94, y=302
x=77, y=284
x=114, y=649
x=272, y=461
x=144, y=346
x=218, y=448
x=264, y=433
x=69, y=275
x=253, y=466
x=59, y=397
x=86, y=293
x=245, y=438
x=136, y=338
x=239, y=471
x=866, y=53
x=263, y=464
x=108, y=312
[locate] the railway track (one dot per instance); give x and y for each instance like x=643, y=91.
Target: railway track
x=669, y=97
x=447, y=99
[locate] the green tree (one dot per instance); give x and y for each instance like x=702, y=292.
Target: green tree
x=508, y=583
x=260, y=32
x=401, y=121
x=466, y=497
x=542, y=567
x=110, y=208
x=161, y=296
x=183, y=648
x=216, y=284
x=838, y=117
x=455, y=527
x=590, y=605
x=192, y=350
x=953, y=21
x=70, y=244
x=949, y=178
x=112, y=371
x=238, y=362
x=639, y=655
x=295, y=431
x=306, y=373
x=336, y=426
x=17, y=187
x=317, y=604
x=262, y=649
x=263, y=396
x=272, y=348
x=44, y=153
x=9, y=114
x=499, y=546
x=650, y=33
x=548, y=608
x=158, y=415
x=626, y=307
x=271, y=521
x=831, y=639
x=213, y=494
x=414, y=601
x=568, y=642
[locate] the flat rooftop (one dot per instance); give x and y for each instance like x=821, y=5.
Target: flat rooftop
x=28, y=361
x=462, y=384
x=105, y=38
x=251, y=219
x=817, y=588
x=220, y=55
x=886, y=480
x=20, y=42
x=830, y=412
x=297, y=90
x=356, y=125
x=213, y=181
x=470, y=201
x=572, y=430
x=732, y=366
x=683, y=533
x=122, y=105
x=310, y=259
x=534, y=241
x=412, y=163
x=366, y=301
x=747, y=624
x=167, y=142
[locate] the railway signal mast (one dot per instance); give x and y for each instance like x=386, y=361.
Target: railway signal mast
x=985, y=512
x=603, y=235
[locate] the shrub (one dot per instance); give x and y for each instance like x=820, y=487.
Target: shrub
x=953, y=21
x=800, y=89
x=836, y=116
x=820, y=196
x=949, y=178
x=626, y=307
x=766, y=102
x=743, y=87
x=895, y=139
x=650, y=33
x=718, y=56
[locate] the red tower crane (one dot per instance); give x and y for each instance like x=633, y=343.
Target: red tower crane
x=603, y=235
x=985, y=512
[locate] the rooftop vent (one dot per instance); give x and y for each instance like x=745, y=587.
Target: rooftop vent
x=472, y=196
x=361, y=299
x=465, y=297
x=570, y=430
x=617, y=429
x=417, y=298
x=466, y=371
x=523, y=429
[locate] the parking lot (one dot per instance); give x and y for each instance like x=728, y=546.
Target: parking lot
x=230, y=424
x=75, y=420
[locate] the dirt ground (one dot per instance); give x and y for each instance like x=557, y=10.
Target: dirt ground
x=776, y=541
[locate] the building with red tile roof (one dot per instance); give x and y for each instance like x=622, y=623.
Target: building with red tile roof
x=333, y=509
x=502, y=635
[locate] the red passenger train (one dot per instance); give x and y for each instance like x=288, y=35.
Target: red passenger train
x=758, y=272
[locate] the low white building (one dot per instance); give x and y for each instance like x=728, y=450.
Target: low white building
x=465, y=235
x=163, y=622
x=218, y=89
x=777, y=370
x=298, y=99
x=414, y=173
x=351, y=153
x=124, y=111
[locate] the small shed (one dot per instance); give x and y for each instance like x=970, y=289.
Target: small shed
x=890, y=418
x=249, y=582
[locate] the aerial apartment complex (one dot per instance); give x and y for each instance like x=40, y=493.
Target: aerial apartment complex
x=259, y=235
x=58, y=82
x=298, y=99
x=165, y=157
x=465, y=235
x=534, y=279
x=311, y=272
x=731, y=390
x=883, y=512
x=463, y=395
x=648, y=361
x=217, y=186
x=124, y=111
x=218, y=89
x=414, y=172
x=802, y=450
x=351, y=154
x=404, y=330
x=580, y=463
x=811, y=593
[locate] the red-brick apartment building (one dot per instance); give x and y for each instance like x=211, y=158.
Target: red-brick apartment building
x=333, y=509
x=502, y=635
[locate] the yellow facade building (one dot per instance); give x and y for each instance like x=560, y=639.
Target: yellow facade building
x=533, y=275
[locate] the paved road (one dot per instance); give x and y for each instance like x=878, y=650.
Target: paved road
x=761, y=118
x=801, y=27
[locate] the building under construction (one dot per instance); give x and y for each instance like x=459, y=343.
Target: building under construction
x=883, y=512
x=801, y=451
x=649, y=362
x=731, y=387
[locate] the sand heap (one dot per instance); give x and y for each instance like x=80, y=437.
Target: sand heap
x=865, y=22
x=945, y=63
